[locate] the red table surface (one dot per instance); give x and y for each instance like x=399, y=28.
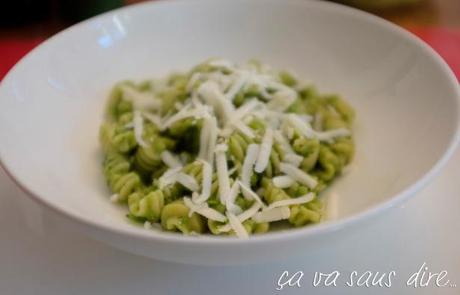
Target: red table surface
x=445, y=41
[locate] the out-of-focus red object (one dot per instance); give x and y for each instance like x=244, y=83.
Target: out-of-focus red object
x=445, y=41
x=12, y=50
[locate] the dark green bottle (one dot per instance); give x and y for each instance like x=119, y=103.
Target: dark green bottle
x=77, y=10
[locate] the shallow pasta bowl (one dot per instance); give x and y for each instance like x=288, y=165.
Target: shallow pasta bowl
x=51, y=106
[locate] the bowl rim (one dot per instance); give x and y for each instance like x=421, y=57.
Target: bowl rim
x=287, y=235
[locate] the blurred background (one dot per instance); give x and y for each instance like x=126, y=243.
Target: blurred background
x=26, y=23
x=54, y=15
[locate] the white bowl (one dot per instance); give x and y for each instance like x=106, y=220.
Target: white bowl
x=51, y=106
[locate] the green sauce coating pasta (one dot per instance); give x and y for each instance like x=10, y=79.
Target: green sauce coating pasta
x=121, y=181
x=174, y=217
x=148, y=158
x=224, y=149
x=302, y=215
x=117, y=105
x=148, y=206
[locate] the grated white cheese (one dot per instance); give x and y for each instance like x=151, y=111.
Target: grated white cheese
x=236, y=119
x=193, y=79
x=301, y=126
x=238, y=84
x=213, y=134
x=273, y=214
x=187, y=181
x=245, y=109
x=330, y=135
x=283, y=181
x=244, y=129
x=306, y=118
x=206, y=183
x=265, y=151
x=221, y=148
x=294, y=201
x=224, y=228
x=249, y=194
x=186, y=112
x=195, y=101
x=305, y=129
x=293, y=159
x=248, y=163
x=263, y=82
x=140, y=100
x=230, y=200
x=209, y=91
x=171, y=160
x=222, y=172
x=169, y=177
x=155, y=119
x=211, y=214
x=204, y=210
x=282, y=99
x=232, y=171
x=283, y=142
x=171, y=172
x=139, y=128
x=250, y=212
x=237, y=226
x=196, y=198
x=224, y=81
x=179, y=115
x=222, y=63
x=298, y=175
x=242, y=217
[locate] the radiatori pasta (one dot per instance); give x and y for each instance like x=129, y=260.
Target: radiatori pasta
x=224, y=149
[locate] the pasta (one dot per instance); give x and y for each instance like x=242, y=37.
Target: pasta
x=146, y=205
x=175, y=217
x=224, y=149
x=121, y=180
